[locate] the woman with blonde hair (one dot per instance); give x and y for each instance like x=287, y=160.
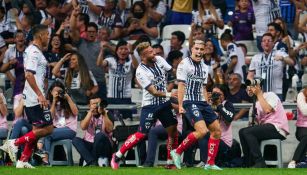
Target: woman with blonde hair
x=209, y=18
x=78, y=79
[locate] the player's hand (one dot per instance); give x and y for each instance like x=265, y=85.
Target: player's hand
x=181, y=110
x=42, y=101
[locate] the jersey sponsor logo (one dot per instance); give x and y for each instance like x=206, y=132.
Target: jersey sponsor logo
x=196, y=78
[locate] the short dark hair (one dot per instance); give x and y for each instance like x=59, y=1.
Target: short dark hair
x=92, y=24
x=267, y=34
x=2, y=10
x=227, y=36
x=84, y=17
x=276, y=26
x=156, y=46
x=223, y=88
x=173, y=55
x=38, y=29
x=120, y=43
x=180, y=35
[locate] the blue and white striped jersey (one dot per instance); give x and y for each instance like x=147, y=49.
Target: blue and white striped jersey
x=156, y=76
x=194, y=75
x=120, y=76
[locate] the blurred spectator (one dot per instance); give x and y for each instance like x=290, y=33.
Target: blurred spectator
x=212, y=60
x=3, y=113
x=140, y=23
x=177, y=43
x=209, y=18
x=78, y=78
x=25, y=9
x=158, y=49
x=104, y=34
x=3, y=48
x=242, y=20
x=181, y=12
x=197, y=33
x=111, y=19
x=53, y=55
x=237, y=94
x=96, y=145
x=301, y=130
x=6, y=28
x=92, y=8
x=271, y=121
x=173, y=58
x=64, y=113
x=156, y=9
x=262, y=10
x=235, y=56
x=269, y=66
x=285, y=35
x=89, y=48
x=122, y=10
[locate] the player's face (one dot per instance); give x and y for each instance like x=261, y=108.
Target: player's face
x=122, y=52
x=198, y=51
x=45, y=38
x=267, y=43
x=149, y=54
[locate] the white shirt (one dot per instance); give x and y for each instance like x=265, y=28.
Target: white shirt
x=120, y=77
x=270, y=70
x=76, y=80
x=234, y=50
x=11, y=54
x=35, y=62
x=195, y=76
x=85, y=9
x=262, y=15
x=156, y=76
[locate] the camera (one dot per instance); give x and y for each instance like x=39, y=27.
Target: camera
x=215, y=96
x=103, y=104
x=61, y=93
x=253, y=82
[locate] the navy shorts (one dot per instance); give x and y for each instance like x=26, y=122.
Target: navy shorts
x=199, y=110
x=38, y=116
x=149, y=115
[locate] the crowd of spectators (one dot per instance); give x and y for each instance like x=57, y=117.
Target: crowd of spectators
x=92, y=53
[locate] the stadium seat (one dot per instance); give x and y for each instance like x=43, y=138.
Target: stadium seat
x=136, y=160
x=157, y=161
x=66, y=144
x=169, y=29
x=277, y=144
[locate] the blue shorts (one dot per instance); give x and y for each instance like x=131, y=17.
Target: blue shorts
x=149, y=115
x=199, y=110
x=38, y=116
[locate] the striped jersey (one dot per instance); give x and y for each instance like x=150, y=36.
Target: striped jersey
x=156, y=76
x=270, y=70
x=232, y=51
x=194, y=75
x=35, y=62
x=120, y=76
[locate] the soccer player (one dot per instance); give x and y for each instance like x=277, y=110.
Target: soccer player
x=151, y=75
x=36, y=105
x=192, y=74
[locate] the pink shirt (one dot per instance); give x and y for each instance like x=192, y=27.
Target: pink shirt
x=61, y=121
x=3, y=121
x=301, y=110
x=96, y=125
x=278, y=118
x=226, y=132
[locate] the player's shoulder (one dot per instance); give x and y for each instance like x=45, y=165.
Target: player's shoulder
x=31, y=49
